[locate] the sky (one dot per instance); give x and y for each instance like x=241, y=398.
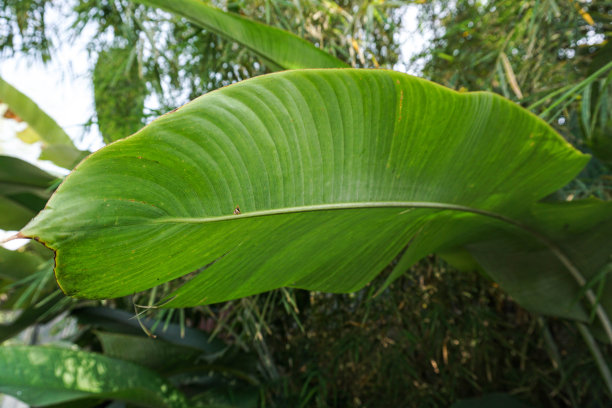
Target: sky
x=63, y=89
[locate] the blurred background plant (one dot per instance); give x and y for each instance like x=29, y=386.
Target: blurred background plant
x=434, y=336
x=553, y=57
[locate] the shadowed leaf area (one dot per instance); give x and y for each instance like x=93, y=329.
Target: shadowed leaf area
x=434, y=337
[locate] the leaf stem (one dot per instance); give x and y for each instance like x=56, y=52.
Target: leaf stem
x=596, y=352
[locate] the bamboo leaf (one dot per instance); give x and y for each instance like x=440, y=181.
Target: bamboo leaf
x=511, y=76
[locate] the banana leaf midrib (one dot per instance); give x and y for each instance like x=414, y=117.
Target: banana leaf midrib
x=336, y=206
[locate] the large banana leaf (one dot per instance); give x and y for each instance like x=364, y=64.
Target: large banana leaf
x=44, y=376
x=56, y=144
x=314, y=179
x=279, y=48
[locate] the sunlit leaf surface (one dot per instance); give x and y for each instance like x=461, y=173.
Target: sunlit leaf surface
x=43, y=376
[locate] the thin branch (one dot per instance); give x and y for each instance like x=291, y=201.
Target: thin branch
x=596, y=352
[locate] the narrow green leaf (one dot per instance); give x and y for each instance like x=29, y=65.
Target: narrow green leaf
x=314, y=179
x=122, y=322
x=280, y=48
x=16, y=172
x=57, y=145
x=43, y=376
x=181, y=362
x=24, y=190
